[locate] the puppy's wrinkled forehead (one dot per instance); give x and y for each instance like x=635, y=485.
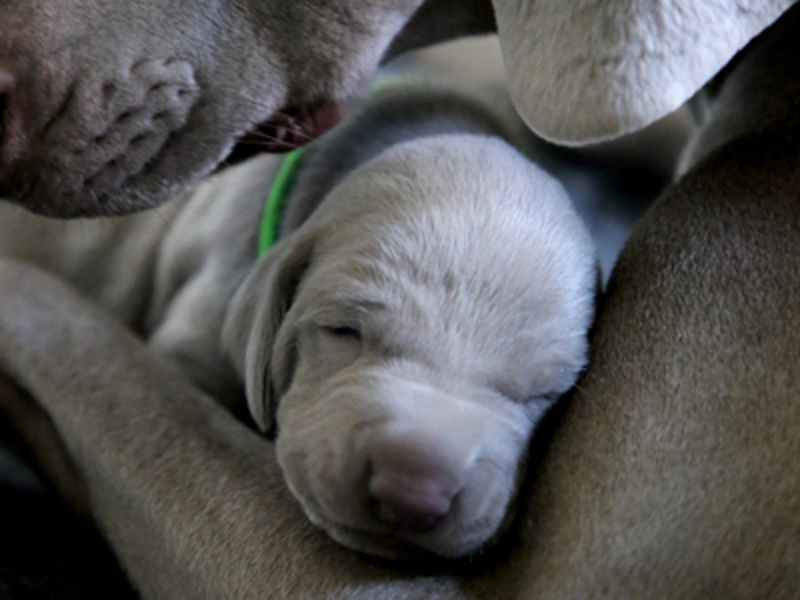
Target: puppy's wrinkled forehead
x=461, y=236
x=465, y=213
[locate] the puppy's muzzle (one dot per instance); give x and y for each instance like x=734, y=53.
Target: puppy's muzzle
x=417, y=473
x=375, y=463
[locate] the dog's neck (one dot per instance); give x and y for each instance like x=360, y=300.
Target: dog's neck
x=391, y=117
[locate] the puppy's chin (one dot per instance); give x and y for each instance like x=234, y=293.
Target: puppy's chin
x=402, y=469
x=392, y=546
x=380, y=545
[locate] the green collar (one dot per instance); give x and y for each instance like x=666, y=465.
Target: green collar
x=287, y=175
x=290, y=167
x=276, y=201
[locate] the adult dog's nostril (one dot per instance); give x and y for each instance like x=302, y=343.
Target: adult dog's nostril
x=2, y=114
x=6, y=84
x=6, y=80
x=413, y=504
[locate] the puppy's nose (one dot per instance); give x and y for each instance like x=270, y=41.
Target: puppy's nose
x=415, y=478
x=413, y=504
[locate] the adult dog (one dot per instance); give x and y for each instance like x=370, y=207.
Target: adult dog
x=673, y=473
x=110, y=107
x=404, y=354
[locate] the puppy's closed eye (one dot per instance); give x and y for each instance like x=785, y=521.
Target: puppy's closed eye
x=342, y=343
x=344, y=332
x=328, y=348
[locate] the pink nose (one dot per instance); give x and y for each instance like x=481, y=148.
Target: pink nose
x=408, y=502
x=416, y=475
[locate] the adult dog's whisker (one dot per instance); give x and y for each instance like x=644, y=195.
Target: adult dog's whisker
x=268, y=144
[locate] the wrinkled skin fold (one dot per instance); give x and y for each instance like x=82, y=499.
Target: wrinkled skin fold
x=109, y=108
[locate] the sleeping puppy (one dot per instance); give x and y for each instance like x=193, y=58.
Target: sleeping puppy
x=427, y=299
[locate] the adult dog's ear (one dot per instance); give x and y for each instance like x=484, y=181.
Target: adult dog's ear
x=587, y=70
x=254, y=317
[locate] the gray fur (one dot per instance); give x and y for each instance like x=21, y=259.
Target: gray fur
x=672, y=473
x=113, y=107
x=401, y=229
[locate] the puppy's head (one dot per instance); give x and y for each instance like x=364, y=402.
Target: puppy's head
x=110, y=107
x=408, y=338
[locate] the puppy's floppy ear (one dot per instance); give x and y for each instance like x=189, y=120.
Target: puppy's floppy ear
x=586, y=70
x=254, y=318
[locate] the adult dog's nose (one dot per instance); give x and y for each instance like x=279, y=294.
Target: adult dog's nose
x=6, y=85
x=415, y=477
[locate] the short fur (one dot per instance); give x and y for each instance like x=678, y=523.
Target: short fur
x=112, y=107
x=673, y=473
x=399, y=229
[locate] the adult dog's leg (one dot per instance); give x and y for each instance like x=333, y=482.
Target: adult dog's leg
x=675, y=472
x=193, y=502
